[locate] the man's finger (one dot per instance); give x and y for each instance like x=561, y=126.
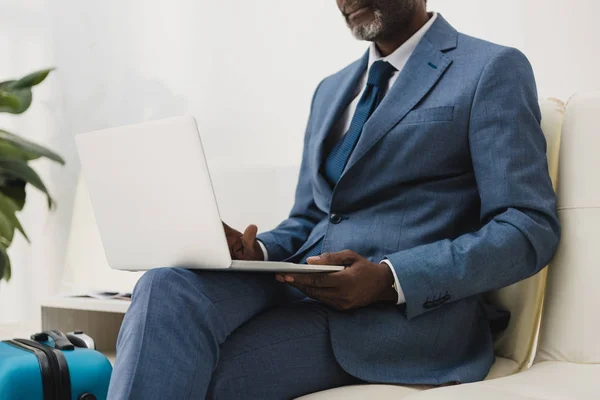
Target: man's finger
x=321, y=280
x=317, y=293
x=249, y=236
x=345, y=257
x=329, y=297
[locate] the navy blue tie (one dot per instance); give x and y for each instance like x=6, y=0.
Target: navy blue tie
x=379, y=74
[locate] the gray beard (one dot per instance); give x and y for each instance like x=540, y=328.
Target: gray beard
x=370, y=31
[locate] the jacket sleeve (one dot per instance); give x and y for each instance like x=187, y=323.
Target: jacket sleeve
x=287, y=238
x=520, y=229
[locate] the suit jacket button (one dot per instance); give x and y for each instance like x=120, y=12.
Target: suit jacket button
x=335, y=218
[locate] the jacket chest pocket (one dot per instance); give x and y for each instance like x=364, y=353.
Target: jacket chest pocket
x=426, y=115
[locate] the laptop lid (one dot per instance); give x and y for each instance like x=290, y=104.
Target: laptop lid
x=152, y=196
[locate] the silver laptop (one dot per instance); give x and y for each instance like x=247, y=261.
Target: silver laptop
x=154, y=202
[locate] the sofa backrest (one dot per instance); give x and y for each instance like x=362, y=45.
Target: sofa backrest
x=524, y=299
x=571, y=316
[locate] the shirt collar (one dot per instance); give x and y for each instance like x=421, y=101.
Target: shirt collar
x=400, y=56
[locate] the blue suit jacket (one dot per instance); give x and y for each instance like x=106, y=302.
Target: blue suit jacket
x=449, y=181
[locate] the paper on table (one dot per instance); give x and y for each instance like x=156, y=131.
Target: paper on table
x=107, y=295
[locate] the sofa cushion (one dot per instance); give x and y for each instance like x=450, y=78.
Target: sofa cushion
x=502, y=367
x=379, y=392
x=544, y=381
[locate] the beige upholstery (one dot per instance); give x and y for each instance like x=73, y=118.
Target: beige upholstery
x=374, y=392
x=515, y=346
x=568, y=356
x=502, y=367
x=572, y=318
x=525, y=298
x=545, y=381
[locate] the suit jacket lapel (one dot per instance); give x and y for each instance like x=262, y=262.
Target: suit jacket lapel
x=424, y=68
x=346, y=88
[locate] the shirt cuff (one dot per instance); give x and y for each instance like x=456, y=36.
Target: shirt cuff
x=266, y=253
x=401, y=299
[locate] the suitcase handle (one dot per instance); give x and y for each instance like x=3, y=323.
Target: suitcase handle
x=60, y=340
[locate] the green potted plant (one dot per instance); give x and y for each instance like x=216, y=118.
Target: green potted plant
x=15, y=155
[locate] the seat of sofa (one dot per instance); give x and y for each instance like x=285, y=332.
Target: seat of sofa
x=502, y=367
x=550, y=380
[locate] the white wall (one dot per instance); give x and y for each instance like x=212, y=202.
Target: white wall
x=560, y=37
x=245, y=69
x=26, y=44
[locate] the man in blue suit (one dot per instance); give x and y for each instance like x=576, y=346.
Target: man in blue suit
x=424, y=172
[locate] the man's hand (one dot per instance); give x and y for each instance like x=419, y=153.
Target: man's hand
x=243, y=246
x=360, y=284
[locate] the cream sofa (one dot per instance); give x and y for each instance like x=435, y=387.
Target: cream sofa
x=567, y=363
x=515, y=348
x=567, y=360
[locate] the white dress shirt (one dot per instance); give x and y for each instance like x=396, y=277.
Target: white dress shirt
x=398, y=59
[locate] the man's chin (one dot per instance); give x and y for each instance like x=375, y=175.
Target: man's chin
x=369, y=32
x=368, y=29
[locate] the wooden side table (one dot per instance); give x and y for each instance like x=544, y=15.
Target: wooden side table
x=100, y=319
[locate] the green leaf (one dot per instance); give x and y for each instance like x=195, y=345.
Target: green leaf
x=20, y=169
x=9, y=102
x=6, y=84
x=9, y=209
x=31, y=80
x=15, y=190
x=24, y=97
x=7, y=150
x=5, y=271
x=30, y=148
x=16, y=96
x=7, y=231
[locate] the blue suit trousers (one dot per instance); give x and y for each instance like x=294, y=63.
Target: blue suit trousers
x=222, y=335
